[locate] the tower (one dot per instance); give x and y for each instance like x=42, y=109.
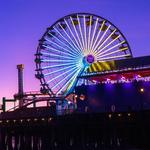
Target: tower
x=20, y=68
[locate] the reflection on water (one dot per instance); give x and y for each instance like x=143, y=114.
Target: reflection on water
x=115, y=131
x=30, y=142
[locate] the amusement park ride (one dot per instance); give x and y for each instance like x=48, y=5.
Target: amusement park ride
x=84, y=63
x=79, y=49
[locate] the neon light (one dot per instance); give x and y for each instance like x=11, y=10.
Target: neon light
x=98, y=34
x=91, y=44
x=75, y=75
x=60, y=65
x=81, y=33
x=120, y=50
x=56, y=45
x=64, y=78
x=106, y=39
x=67, y=41
x=77, y=48
x=72, y=84
x=58, y=50
x=119, y=56
x=94, y=48
x=111, y=48
x=85, y=34
x=89, y=35
x=55, y=60
x=56, y=71
x=109, y=43
x=77, y=34
x=61, y=75
x=55, y=55
x=71, y=52
x=79, y=45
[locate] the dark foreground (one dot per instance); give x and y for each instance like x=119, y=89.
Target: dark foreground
x=104, y=131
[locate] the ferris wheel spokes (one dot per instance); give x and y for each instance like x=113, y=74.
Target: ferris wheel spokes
x=102, y=37
x=77, y=48
x=99, y=32
x=107, y=50
x=71, y=45
x=101, y=49
x=69, y=50
x=78, y=43
x=102, y=43
x=95, y=27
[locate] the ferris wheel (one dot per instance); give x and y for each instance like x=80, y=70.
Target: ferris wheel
x=71, y=45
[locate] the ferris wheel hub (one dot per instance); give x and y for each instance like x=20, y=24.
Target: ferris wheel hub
x=88, y=60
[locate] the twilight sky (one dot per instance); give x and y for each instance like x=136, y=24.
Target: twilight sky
x=23, y=22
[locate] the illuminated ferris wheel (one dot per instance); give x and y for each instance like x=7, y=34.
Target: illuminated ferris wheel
x=71, y=45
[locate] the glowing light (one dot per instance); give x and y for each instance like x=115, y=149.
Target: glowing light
x=78, y=48
x=142, y=90
x=56, y=60
x=61, y=74
x=80, y=29
x=119, y=115
x=107, y=50
x=110, y=115
x=85, y=37
x=60, y=65
x=64, y=78
x=74, y=43
x=101, y=37
x=114, y=57
x=56, y=71
x=69, y=50
x=82, y=97
x=108, y=80
x=73, y=46
x=129, y=114
x=110, y=53
x=76, y=96
x=137, y=77
x=91, y=44
x=98, y=34
x=43, y=119
x=58, y=51
x=123, y=78
x=49, y=119
x=57, y=56
x=106, y=38
x=72, y=78
x=89, y=35
x=69, y=102
x=79, y=44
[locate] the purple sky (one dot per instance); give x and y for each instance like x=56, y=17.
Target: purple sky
x=23, y=22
